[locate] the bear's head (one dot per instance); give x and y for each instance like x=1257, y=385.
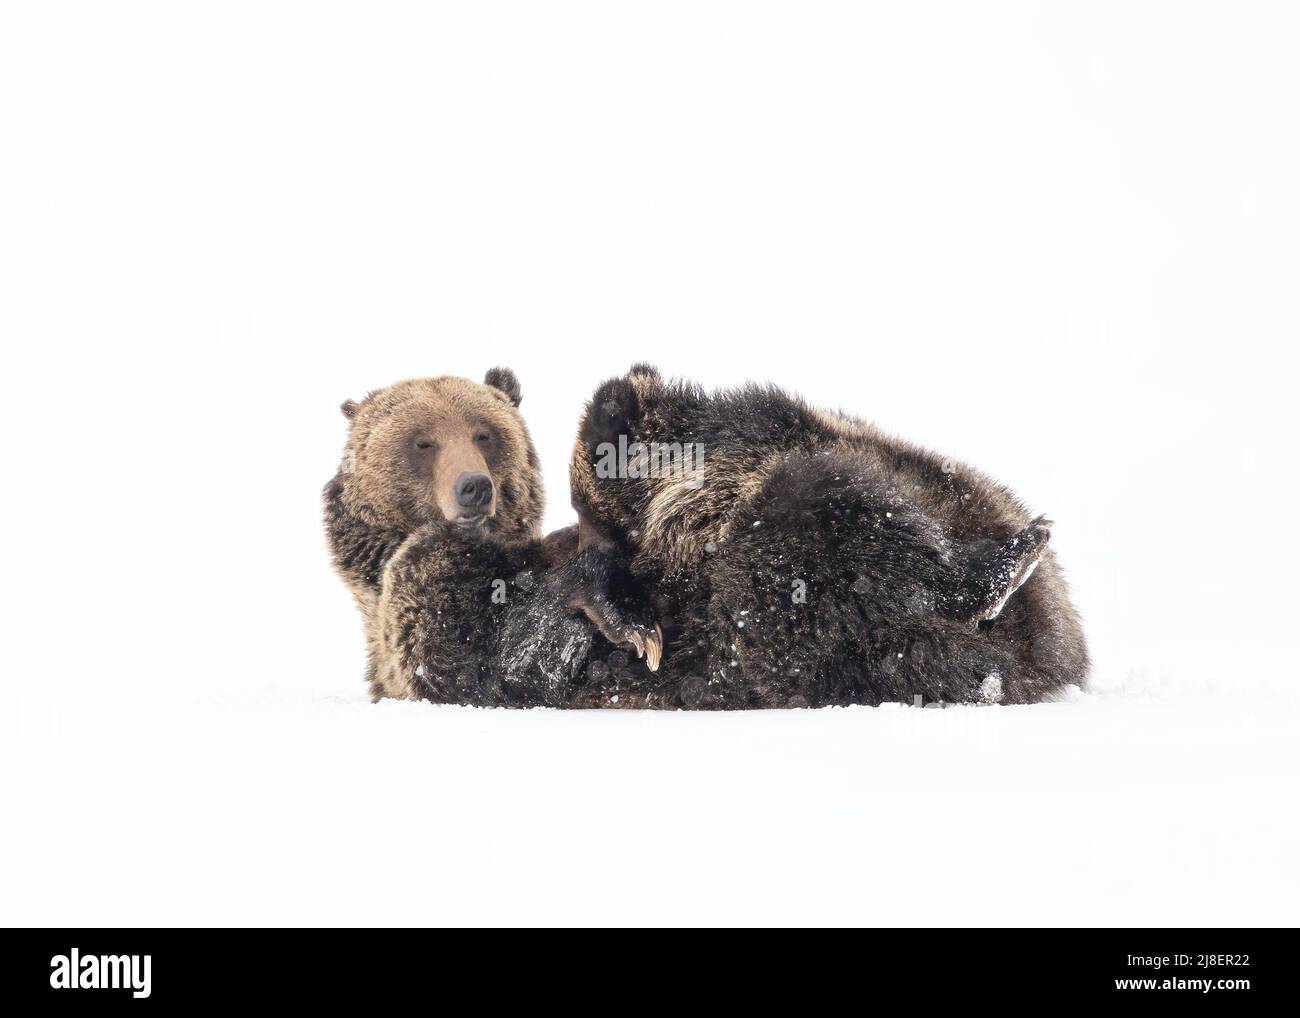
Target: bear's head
x=444, y=449
x=612, y=478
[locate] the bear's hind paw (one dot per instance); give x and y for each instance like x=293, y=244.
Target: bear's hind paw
x=1014, y=564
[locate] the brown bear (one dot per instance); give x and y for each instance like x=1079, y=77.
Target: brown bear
x=433, y=521
x=798, y=557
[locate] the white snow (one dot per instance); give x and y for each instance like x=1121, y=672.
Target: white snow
x=991, y=689
x=1045, y=242
x=299, y=808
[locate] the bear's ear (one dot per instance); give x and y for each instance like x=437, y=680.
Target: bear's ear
x=505, y=380
x=646, y=370
x=614, y=410
x=349, y=408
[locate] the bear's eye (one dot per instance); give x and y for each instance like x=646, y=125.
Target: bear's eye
x=423, y=444
x=483, y=437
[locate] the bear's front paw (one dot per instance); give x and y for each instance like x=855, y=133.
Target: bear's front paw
x=644, y=638
x=647, y=641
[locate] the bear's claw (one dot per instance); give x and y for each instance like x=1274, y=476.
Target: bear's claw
x=654, y=648
x=648, y=646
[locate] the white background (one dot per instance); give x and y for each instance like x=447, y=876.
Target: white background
x=1058, y=242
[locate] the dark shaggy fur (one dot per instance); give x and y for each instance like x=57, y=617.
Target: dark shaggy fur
x=819, y=562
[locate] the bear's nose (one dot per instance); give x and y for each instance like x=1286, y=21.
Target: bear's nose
x=473, y=491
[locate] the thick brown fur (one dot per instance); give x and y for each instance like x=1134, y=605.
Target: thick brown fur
x=919, y=576
x=458, y=605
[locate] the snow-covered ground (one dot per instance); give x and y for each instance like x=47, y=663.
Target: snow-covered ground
x=1126, y=809
x=1055, y=243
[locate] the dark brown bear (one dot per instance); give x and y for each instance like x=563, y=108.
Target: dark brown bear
x=797, y=557
x=433, y=521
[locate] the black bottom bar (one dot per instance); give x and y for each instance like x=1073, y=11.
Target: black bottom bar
x=1220, y=969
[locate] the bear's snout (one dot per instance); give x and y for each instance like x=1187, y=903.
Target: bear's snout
x=473, y=492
